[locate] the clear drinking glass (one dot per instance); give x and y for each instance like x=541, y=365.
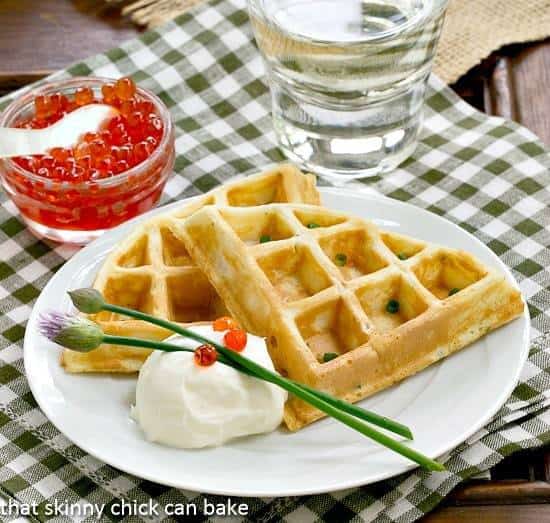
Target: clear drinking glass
x=347, y=79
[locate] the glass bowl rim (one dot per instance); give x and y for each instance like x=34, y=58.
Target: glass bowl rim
x=75, y=82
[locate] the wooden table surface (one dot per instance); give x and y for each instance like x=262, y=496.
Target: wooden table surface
x=38, y=38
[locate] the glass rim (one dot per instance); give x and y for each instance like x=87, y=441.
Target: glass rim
x=15, y=107
x=256, y=6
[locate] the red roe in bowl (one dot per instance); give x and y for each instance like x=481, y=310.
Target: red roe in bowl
x=73, y=195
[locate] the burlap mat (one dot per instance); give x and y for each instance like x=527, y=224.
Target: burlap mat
x=473, y=28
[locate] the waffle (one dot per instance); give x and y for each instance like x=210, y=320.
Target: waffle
x=151, y=270
x=346, y=308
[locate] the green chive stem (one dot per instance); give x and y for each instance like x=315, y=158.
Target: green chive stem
x=145, y=344
x=372, y=417
x=129, y=341
x=290, y=386
x=358, y=412
x=338, y=414
x=333, y=407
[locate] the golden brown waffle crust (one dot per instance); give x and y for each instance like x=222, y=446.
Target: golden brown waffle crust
x=150, y=269
x=292, y=291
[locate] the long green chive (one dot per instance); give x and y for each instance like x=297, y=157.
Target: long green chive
x=335, y=412
x=82, y=335
x=318, y=399
x=356, y=411
x=381, y=421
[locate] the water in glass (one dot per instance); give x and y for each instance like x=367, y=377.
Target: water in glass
x=347, y=79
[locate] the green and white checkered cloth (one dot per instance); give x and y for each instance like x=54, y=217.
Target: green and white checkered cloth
x=490, y=176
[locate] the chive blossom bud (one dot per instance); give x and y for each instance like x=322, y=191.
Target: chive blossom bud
x=88, y=300
x=73, y=332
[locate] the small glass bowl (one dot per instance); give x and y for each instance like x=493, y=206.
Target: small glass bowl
x=77, y=212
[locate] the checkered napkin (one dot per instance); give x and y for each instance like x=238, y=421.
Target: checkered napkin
x=486, y=174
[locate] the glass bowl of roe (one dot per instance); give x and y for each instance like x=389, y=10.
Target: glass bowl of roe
x=73, y=195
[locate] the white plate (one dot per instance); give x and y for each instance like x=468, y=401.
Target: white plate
x=443, y=405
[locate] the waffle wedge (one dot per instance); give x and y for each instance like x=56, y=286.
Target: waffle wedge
x=151, y=271
x=346, y=308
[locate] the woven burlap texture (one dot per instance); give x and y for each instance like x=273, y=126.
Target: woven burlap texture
x=473, y=28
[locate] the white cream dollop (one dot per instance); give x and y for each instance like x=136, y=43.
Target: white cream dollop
x=183, y=405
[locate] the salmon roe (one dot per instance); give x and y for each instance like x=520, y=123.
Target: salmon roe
x=235, y=339
x=224, y=324
x=73, y=194
x=205, y=355
x=127, y=140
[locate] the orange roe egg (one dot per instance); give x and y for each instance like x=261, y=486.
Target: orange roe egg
x=59, y=154
x=125, y=89
x=135, y=119
x=47, y=161
x=235, y=339
x=205, y=355
x=81, y=150
x=59, y=172
x=224, y=323
x=108, y=92
x=83, y=96
x=42, y=107
x=59, y=104
x=142, y=150
x=121, y=166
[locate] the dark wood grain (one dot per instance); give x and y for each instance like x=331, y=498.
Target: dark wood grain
x=503, y=492
x=491, y=514
x=531, y=81
x=38, y=38
x=515, y=83
x=499, y=90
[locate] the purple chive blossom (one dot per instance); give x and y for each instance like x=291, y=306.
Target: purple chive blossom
x=68, y=330
x=51, y=323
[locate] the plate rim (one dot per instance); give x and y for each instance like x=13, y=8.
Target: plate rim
x=365, y=193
